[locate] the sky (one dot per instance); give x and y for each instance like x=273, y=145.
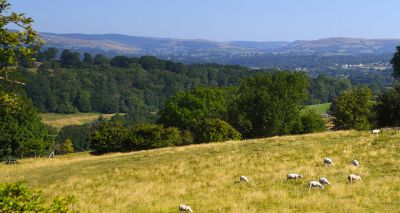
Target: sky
x=219, y=20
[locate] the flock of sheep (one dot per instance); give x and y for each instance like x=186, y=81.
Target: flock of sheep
x=311, y=184
x=323, y=180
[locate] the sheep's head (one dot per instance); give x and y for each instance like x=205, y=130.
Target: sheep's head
x=300, y=176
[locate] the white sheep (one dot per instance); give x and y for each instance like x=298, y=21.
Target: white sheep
x=244, y=178
x=185, y=208
x=314, y=183
x=324, y=181
x=375, y=131
x=353, y=177
x=355, y=163
x=328, y=161
x=294, y=176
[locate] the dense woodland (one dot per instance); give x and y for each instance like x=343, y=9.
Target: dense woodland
x=75, y=83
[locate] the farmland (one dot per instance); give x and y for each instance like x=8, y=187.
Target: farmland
x=206, y=176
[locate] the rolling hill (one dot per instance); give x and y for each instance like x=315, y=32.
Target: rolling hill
x=206, y=176
x=135, y=45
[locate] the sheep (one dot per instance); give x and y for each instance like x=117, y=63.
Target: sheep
x=328, y=161
x=185, y=208
x=324, y=181
x=353, y=177
x=314, y=183
x=244, y=178
x=294, y=176
x=375, y=131
x=356, y=163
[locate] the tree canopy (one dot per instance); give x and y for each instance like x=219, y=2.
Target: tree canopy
x=396, y=63
x=353, y=109
x=15, y=45
x=269, y=104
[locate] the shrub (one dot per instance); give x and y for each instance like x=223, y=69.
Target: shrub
x=17, y=197
x=111, y=137
x=108, y=137
x=311, y=122
x=215, y=130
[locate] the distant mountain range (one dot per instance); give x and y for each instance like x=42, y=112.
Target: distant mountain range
x=135, y=45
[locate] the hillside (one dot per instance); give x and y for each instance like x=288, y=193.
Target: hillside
x=206, y=176
x=171, y=47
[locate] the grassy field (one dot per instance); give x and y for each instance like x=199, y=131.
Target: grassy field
x=320, y=108
x=58, y=120
x=206, y=176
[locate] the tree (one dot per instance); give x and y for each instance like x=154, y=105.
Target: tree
x=108, y=137
x=120, y=61
x=49, y=55
x=353, y=109
x=22, y=132
x=387, y=108
x=87, y=59
x=69, y=59
x=67, y=146
x=396, y=63
x=78, y=134
x=269, y=104
x=187, y=109
x=15, y=45
x=101, y=60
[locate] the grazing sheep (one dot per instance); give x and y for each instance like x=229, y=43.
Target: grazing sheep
x=294, y=176
x=244, y=178
x=314, y=183
x=375, y=131
x=355, y=163
x=324, y=181
x=185, y=208
x=353, y=177
x=328, y=161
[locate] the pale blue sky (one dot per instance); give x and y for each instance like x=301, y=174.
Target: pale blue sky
x=221, y=20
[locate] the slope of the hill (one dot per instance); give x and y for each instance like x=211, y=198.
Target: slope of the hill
x=125, y=44
x=206, y=176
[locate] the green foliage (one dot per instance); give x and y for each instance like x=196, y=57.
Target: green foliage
x=215, y=130
x=186, y=110
x=311, y=121
x=114, y=137
x=67, y=146
x=108, y=137
x=269, y=105
x=353, y=109
x=17, y=197
x=154, y=136
x=78, y=134
x=120, y=61
x=21, y=132
x=325, y=89
x=396, y=63
x=388, y=108
x=15, y=45
x=101, y=60
x=70, y=59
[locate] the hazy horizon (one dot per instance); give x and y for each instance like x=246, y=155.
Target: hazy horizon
x=221, y=20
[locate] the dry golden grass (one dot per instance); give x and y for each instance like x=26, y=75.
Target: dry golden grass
x=59, y=120
x=206, y=176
